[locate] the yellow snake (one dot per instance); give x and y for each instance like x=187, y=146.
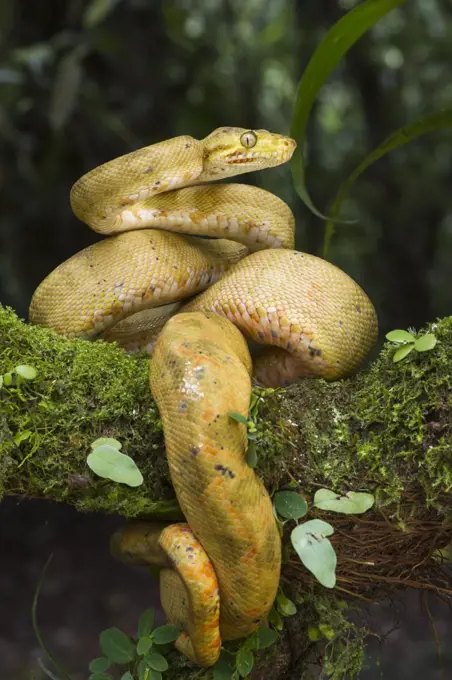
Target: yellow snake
x=220, y=571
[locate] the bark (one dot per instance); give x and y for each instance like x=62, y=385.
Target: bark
x=387, y=431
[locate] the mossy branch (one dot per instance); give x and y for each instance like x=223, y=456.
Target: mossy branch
x=388, y=430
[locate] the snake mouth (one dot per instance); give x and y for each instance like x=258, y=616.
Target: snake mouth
x=241, y=158
x=280, y=153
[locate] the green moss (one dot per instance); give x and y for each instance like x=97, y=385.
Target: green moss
x=387, y=430
x=83, y=390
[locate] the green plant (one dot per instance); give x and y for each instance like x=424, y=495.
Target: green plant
x=13, y=377
x=310, y=539
x=430, y=123
x=142, y=657
x=107, y=461
x=334, y=46
x=408, y=342
x=338, y=41
x=251, y=422
x=239, y=664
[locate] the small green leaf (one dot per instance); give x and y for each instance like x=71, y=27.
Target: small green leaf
x=353, y=503
x=244, y=661
x=251, y=455
x=26, y=371
x=117, y=646
x=285, y=606
x=99, y=665
x=315, y=550
x=165, y=634
x=144, y=644
x=267, y=637
x=400, y=336
x=275, y=619
x=100, y=676
x=106, y=461
x=252, y=641
x=314, y=633
x=1, y=382
x=22, y=436
x=425, y=343
x=7, y=379
x=127, y=676
x=108, y=441
x=315, y=526
x=156, y=661
x=327, y=631
x=146, y=623
x=238, y=417
x=224, y=668
x=145, y=672
x=290, y=504
x=154, y=675
x=254, y=403
x=402, y=352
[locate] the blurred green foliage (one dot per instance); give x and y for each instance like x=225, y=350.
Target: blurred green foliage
x=84, y=81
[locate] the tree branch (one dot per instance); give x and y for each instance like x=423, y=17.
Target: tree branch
x=387, y=430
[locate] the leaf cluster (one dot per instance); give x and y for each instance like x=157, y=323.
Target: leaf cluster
x=142, y=657
x=310, y=539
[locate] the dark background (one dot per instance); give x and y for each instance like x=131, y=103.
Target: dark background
x=78, y=88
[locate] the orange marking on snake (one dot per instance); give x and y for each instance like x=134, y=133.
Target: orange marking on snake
x=252, y=552
x=197, y=357
x=208, y=415
x=210, y=450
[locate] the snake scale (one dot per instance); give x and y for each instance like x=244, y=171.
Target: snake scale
x=220, y=571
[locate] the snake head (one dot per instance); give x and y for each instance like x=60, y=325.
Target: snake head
x=232, y=151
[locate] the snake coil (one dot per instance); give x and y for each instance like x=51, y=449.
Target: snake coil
x=220, y=571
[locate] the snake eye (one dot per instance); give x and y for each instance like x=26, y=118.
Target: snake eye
x=248, y=139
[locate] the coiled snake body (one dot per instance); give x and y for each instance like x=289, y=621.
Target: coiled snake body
x=220, y=571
